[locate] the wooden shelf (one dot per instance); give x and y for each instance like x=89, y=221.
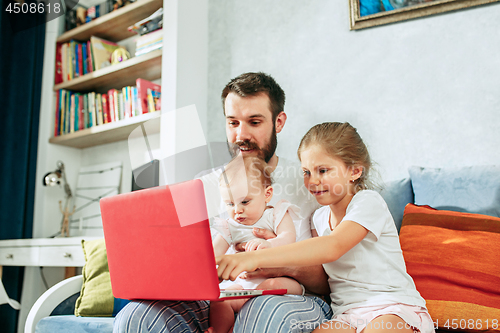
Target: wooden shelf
x=113, y=26
x=107, y=133
x=146, y=66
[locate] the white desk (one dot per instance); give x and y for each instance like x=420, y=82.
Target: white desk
x=55, y=252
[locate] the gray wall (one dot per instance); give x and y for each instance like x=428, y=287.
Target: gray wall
x=422, y=92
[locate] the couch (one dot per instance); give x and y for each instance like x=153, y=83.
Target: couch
x=463, y=190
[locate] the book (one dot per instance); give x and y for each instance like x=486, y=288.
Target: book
x=80, y=58
x=77, y=61
x=105, y=109
x=149, y=42
x=92, y=113
x=84, y=58
x=76, y=110
x=67, y=113
x=58, y=77
x=91, y=57
x=111, y=105
x=62, y=103
x=64, y=61
x=71, y=60
x=125, y=102
x=86, y=111
x=100, y=116
x=116, y=105
x=101, y=51
x=156, y=100
x=142, y=92
x=135, y=102
x=81, y=114
x=150, y=23
x=121, y=105
x=72, y=114
x=58, y=114
x=150, y=101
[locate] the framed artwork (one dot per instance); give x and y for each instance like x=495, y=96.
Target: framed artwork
x=370, y=13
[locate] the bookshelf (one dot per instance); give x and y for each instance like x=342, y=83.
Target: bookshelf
x=147, y=66
x=113, y=27
x=107, y=133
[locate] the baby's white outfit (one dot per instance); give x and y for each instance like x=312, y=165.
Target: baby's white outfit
x=235, y=233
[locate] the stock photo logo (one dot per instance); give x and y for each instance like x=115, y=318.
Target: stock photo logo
x=187, y=156
x=26, y=14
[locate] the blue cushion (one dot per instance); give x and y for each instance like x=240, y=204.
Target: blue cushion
x=72, y=324
x=474, y=189
x=397, y=194
x=66, y=307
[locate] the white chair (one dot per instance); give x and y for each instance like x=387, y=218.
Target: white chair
x=50, y=299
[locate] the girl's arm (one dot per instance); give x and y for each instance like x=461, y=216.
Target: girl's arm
x=220, y=245
x=310, y=252
x=313, y=278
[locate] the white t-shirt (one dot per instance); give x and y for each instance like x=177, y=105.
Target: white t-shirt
x=373, y=272
x=288, y=184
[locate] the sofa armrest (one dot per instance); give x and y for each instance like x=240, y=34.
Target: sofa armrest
x=50, y=299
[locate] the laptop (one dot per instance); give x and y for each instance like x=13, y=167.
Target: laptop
x=159, y=245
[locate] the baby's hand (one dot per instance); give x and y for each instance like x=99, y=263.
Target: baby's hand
x=257, y=244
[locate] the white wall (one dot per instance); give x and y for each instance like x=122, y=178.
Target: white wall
x=421, y=92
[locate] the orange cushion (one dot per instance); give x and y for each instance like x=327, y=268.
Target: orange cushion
x=454, y=259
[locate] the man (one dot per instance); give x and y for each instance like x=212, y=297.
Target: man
x=253, y=106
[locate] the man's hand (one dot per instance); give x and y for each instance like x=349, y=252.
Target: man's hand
x=257, y=244
x=258, y=232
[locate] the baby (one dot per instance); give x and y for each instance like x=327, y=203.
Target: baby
x=246, y=190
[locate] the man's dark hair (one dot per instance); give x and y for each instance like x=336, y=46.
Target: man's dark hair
x=252, y=84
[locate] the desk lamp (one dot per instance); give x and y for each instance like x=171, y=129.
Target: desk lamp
x=52, y=179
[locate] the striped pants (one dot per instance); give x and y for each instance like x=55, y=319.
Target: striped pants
x=263, y=314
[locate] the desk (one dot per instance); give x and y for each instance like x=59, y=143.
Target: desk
x=55, y=252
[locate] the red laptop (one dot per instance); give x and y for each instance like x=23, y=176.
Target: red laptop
x=159, y=245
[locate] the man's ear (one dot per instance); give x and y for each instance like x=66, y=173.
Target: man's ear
x=280, y=121
x=356, y=172
x=268, y=193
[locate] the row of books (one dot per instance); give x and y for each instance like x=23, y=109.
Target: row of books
x=75, y=111
x=74, y=59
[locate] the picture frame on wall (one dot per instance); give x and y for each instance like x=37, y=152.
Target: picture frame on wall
x=370, y=13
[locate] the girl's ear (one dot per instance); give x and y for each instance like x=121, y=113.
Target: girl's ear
x=356, y=172
x=268, y=193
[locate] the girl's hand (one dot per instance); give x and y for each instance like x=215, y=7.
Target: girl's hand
x=230, y=266
x=257, y=244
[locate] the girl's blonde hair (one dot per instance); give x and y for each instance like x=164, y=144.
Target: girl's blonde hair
x=342, y=141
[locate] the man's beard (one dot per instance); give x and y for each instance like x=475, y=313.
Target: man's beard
x=266, y=153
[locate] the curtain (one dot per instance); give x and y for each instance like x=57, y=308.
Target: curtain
x=22, y=38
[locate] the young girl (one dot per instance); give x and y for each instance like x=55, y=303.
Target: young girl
x=246, y=189
x=358, y=244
